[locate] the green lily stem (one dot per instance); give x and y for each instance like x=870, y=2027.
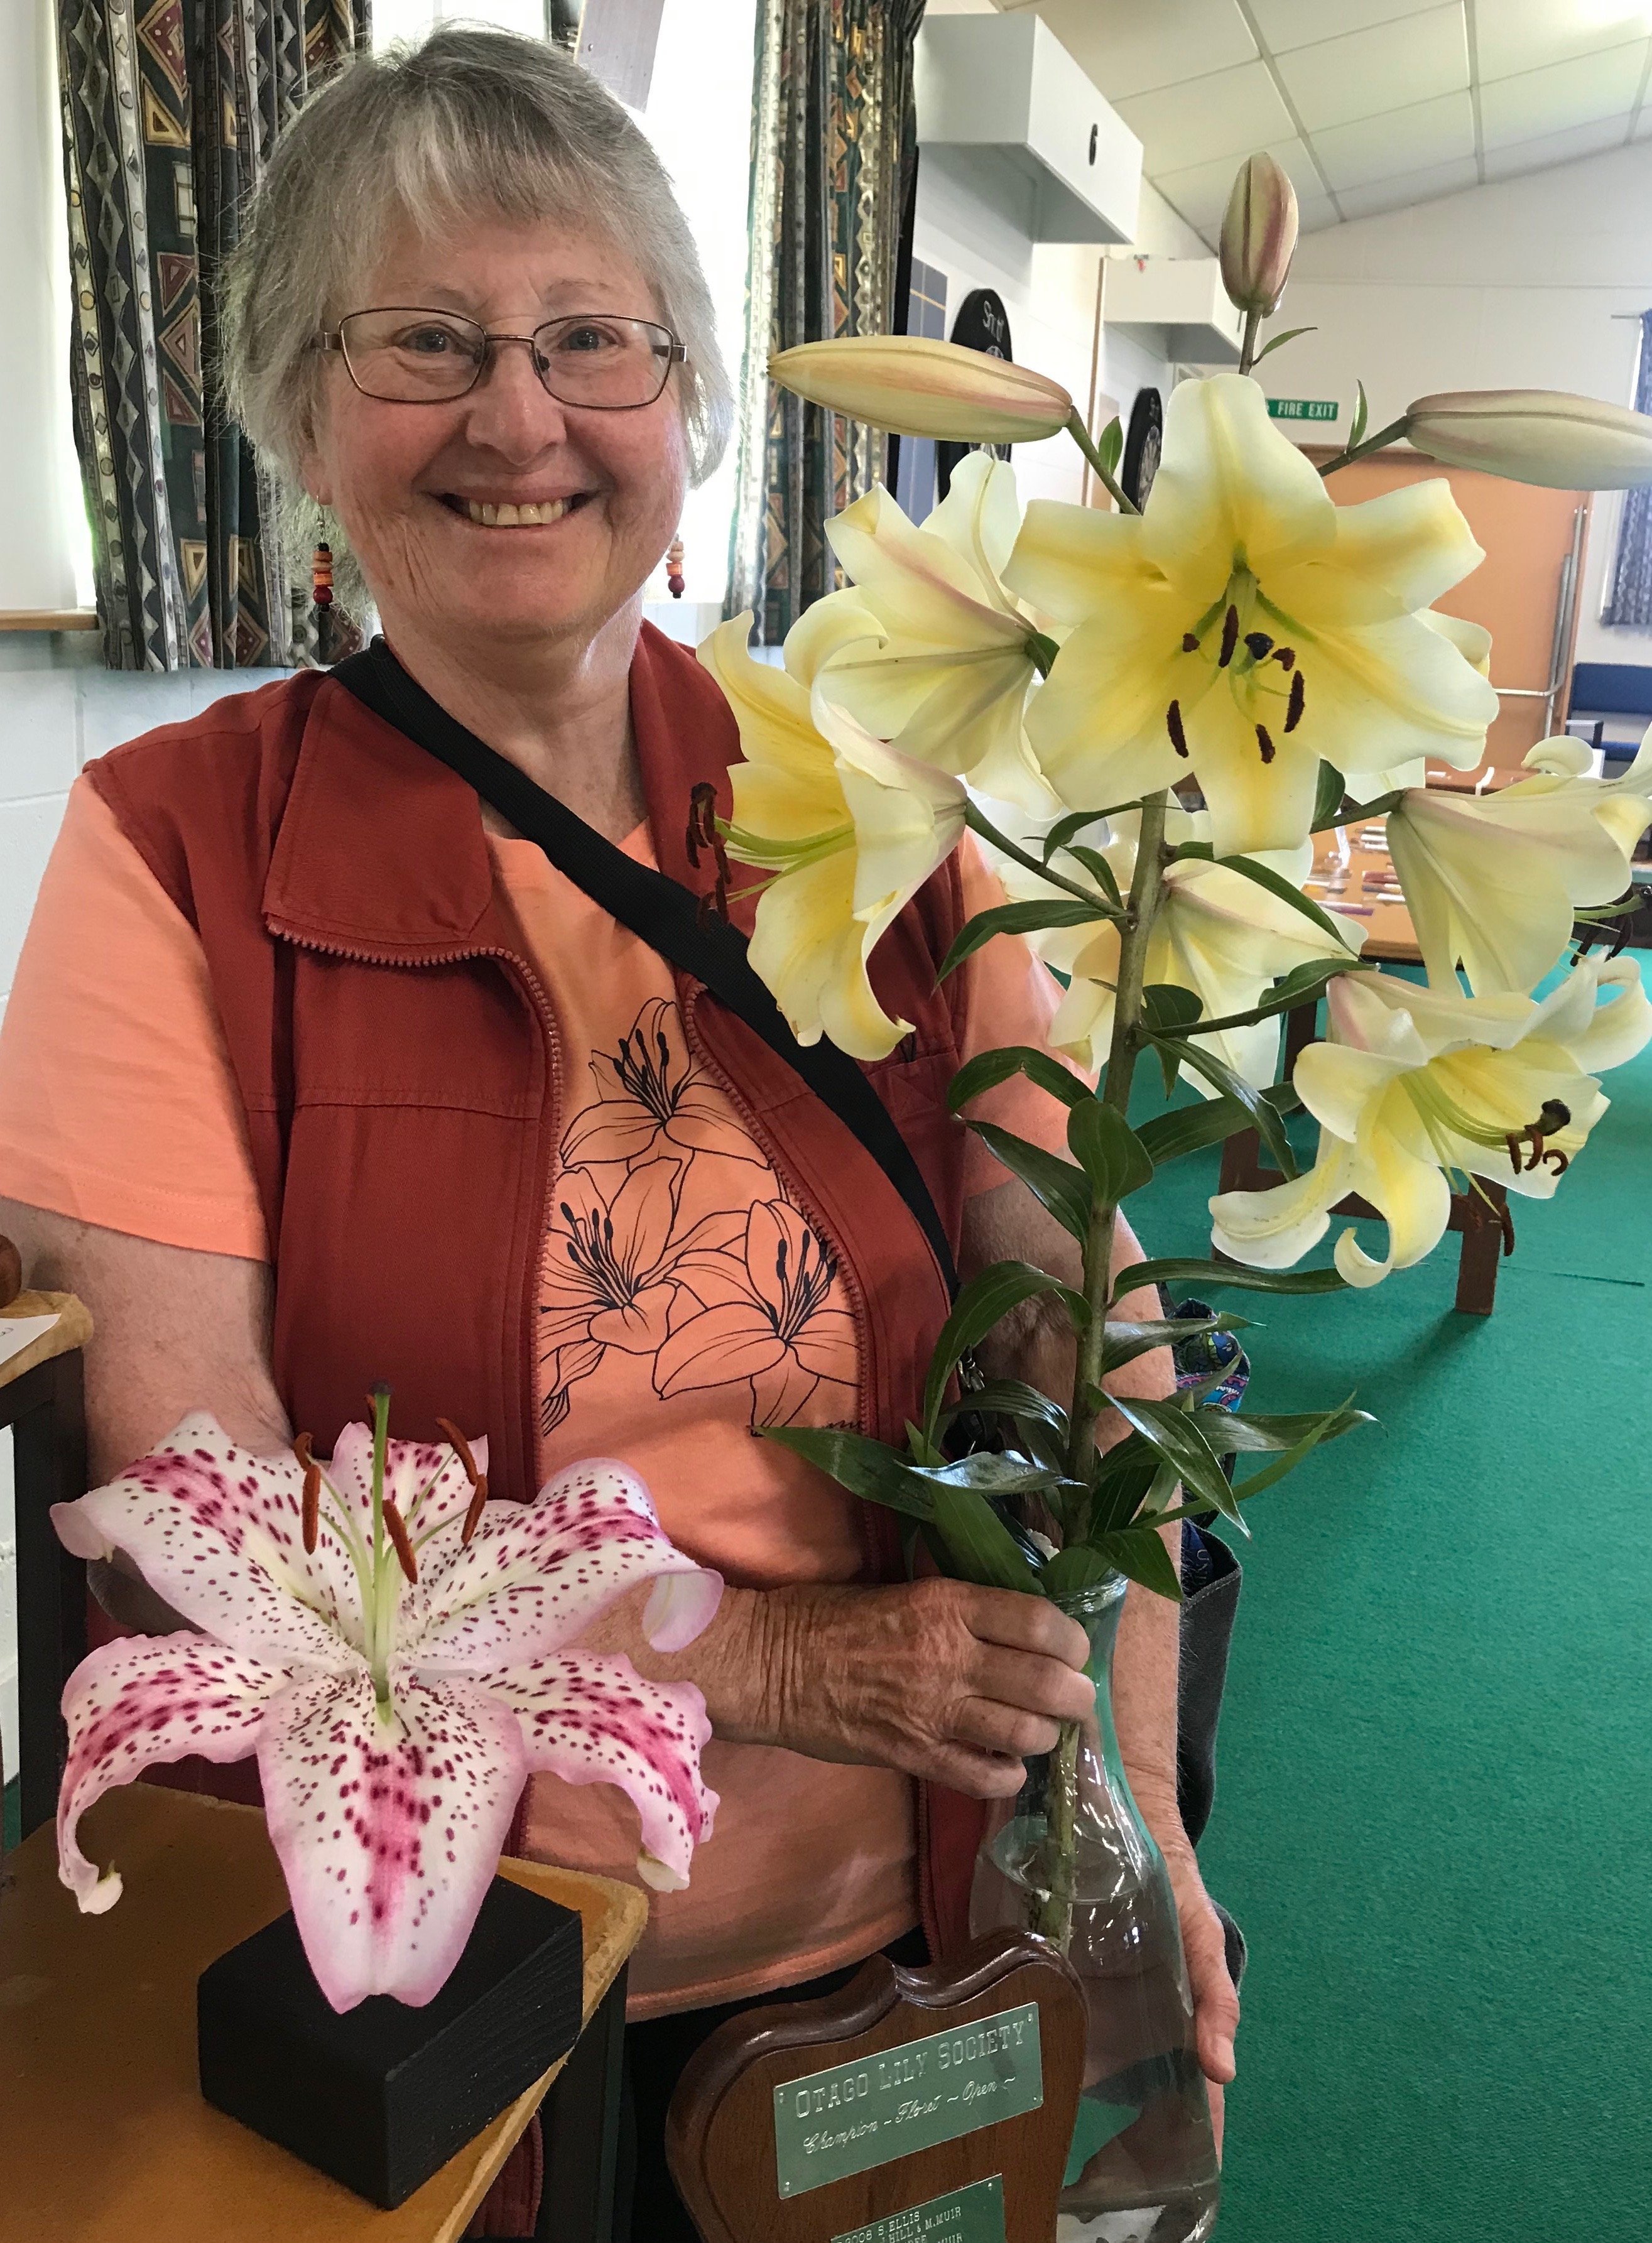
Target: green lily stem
x=1081, y=436
x=1053, y=1912
x=1135, y=930
x=1350, y=453
x=1248, y=347
x=381, y=1612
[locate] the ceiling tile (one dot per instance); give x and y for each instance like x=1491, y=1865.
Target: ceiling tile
x=1227, y=113
x=1401, y=140
x=1556, y=147
x=1201, y=191
x=1315, y=216
x=1543, y=101
x=1410, y=187
x=1285, y=24
x=1390, y=67
x=1522, y=35
x=1128, y=48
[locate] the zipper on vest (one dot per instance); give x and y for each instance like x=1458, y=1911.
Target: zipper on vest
x=539, y=1001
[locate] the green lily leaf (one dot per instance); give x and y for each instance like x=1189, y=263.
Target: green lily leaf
x=1176, y=1271
x=1125, y=1480
x=1080, y=1566
x=1019, y=918
x=1109, y=1150
x=1265, y=877
x=871, y=1469
x=1099, y=870
x=1301, y=983
x=1125, y=1340
x=1169, y=1010
x=1064, y=828
x=1244, y=1435
x=1264, y=1113
x=982, y=1548
x=1180, y=1439
x=1011, y=1399
x=1056, y=1184
x=1257, y=1481
x=1361, y=414
x=1190, y=1129
x=1139, y=1553
x=988, y=1069
x=1276, y=342
x=1327, y=802
x=983, y=1303
x=1110, y=444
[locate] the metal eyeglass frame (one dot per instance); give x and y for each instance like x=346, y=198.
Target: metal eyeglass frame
x=673, y=353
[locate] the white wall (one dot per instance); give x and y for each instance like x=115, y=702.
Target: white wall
x=1534, y=283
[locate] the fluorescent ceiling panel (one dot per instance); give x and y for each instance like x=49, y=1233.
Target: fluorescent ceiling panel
x=1128, y=47
x=1227, y=113
x=1298, y=22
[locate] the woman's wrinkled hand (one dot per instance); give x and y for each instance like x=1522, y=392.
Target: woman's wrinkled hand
x=937, y=1678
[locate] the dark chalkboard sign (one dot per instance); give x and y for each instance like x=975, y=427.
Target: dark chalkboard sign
x=982, y=324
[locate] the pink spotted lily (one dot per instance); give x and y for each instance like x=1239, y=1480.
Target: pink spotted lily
x=395, y=1650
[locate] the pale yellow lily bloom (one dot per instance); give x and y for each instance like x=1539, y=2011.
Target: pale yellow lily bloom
x=1216, y=933
x=1414, y=1084
x=1492, y=881
x=1243, y=627
x=948, y=680
x=851, y=828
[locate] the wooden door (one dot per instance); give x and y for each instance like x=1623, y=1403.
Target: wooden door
x=1525, y=592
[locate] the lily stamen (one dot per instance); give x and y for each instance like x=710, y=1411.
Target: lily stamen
x=1230, y=637
x=396, y=1527
x=1265, y=744
x=310, y=1509
x=1285, y=656
x=1173, y=725
x=1293, y=708
x=1259, y=645
x=1190, y=642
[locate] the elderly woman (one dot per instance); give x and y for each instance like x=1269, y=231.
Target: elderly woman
x=314, y=1071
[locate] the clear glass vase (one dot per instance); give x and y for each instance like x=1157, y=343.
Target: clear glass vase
x=1071, y=1859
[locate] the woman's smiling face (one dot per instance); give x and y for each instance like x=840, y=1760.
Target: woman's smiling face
x=409, y=480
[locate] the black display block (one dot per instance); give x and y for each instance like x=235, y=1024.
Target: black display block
x=382, y=2096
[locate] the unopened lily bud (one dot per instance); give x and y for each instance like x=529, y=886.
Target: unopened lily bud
x=1258, y=235
x=917, y=388
x=1535, y=436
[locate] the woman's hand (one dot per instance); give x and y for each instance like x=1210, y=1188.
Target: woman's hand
x=1216, y=2001
x=937, y=1678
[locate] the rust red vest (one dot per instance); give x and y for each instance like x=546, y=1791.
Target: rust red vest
x=398, y=1060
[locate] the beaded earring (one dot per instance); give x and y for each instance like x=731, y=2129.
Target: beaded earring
x=674, y=567
x=335, y=635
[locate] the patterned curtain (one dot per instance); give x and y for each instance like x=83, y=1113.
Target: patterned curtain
x=833, y=147
x=170, y=110
x=1630, y=600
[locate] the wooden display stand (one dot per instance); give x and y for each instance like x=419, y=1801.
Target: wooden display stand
x=792, y=2124
x=104, y=2135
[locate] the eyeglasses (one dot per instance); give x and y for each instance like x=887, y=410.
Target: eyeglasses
x=408, y=355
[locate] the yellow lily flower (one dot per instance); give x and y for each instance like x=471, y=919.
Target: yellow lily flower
x=949, y=681
x=1214, y=932
x=1492, y=881
x=851, y=828
x=1244, y=626
x=1414, y=1084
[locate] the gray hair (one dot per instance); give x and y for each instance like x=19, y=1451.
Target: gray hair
x=467, y=120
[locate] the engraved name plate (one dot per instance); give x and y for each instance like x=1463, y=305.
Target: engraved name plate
x=974, y=2214
x=828, y=2125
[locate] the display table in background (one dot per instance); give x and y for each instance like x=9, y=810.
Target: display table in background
x=104, y=2136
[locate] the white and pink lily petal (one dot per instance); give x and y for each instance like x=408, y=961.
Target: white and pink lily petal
x=361, y=1671
x=1417, y=1087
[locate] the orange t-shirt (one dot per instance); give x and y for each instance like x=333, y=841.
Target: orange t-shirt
x=686, y=1304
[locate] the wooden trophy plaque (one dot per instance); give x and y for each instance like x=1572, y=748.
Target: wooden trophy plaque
x=915, y=2104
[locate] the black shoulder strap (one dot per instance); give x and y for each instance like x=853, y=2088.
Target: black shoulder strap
x=658, y=909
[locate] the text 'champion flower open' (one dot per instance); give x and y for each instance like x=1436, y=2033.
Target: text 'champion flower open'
x=1415, y=1084
x=1245, y=627
x=395, y=1650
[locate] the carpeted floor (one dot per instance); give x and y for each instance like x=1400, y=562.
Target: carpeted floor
x=1435, y=1807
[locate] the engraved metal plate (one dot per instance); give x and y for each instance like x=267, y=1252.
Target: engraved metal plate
x=869, y=2113
x=974, y=2214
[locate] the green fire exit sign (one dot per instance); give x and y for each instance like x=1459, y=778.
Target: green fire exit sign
x=1302, y=408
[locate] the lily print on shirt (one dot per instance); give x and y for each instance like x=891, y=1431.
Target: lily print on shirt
x=672, y=1242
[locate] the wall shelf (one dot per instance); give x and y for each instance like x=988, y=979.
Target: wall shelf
x=48, y=619
x=1180, y=299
